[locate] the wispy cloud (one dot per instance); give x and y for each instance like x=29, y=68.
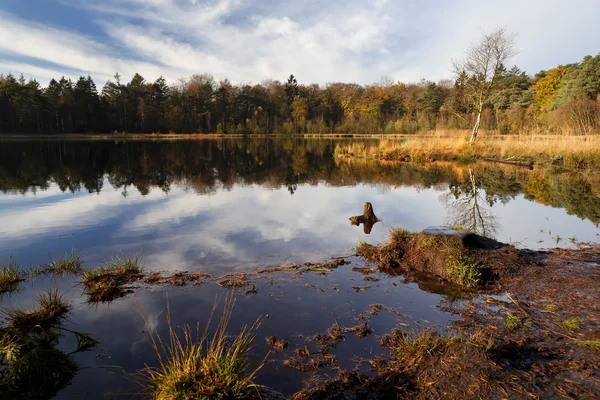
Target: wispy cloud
x=318, y=41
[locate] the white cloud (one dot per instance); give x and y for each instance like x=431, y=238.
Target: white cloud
x=318, y=41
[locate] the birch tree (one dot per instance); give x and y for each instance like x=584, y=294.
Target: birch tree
x=482, y=65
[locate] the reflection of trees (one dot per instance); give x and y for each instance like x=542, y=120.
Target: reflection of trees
x=467, y=207
x=205, y=166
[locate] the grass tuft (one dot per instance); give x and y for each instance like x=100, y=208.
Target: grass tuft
x=413, y=345
x=400, y=235
x=463, y=270
x=551, y=307
x=573, y=324
x=105, y=283
x=589, y=344
x=211, y=366
x=52, y=309
x=513, y=323
x=69, y=264
x=9, y=276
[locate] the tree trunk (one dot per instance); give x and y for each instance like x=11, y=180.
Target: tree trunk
x=476, y=127
x=368, y=212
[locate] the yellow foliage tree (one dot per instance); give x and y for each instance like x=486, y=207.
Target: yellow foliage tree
x=547, y=87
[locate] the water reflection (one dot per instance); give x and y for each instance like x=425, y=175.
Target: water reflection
x=240, y=204
x=470, y=208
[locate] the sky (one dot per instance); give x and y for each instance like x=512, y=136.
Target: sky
x=255, y=40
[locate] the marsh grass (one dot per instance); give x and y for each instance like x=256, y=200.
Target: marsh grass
x=410, y=348
x=105, y=283
x=204, y=365
x=68, y=264
x=413, y=345
x=51, y=311
x=572, y=152
x=10, y=276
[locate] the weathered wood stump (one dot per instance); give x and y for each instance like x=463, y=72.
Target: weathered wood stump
x=368, y=219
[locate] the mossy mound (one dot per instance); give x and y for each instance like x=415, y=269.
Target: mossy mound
x=462, y=258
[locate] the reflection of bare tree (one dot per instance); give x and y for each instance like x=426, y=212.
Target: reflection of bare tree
x=467, y=208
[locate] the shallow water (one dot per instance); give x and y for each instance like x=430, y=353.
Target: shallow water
x=220, y=206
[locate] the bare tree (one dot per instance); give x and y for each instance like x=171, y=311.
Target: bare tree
x=481, y=65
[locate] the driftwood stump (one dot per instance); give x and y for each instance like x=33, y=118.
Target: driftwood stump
x=368, y=219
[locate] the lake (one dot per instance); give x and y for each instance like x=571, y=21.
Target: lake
x=242, y=205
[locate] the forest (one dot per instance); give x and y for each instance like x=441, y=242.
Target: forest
x=563, y=100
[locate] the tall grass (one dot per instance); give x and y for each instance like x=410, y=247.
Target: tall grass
x=202, y=366
x=577, y=152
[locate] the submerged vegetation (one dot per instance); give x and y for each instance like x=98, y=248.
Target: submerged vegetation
x=106, y=283
x=204, y=365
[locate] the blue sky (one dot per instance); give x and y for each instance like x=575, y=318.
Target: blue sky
x=252, y=40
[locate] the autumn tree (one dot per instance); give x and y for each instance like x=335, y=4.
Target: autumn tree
x=481, y=65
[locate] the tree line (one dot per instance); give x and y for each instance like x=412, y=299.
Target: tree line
x=561, y=100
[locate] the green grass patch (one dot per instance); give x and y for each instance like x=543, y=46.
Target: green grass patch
x=573, y=324
x=202, y=366
x=429, y=242
x=464, y=270
x=10, y=276
x=589, y=344
x=513, y=323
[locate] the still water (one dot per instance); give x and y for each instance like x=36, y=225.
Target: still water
x=220, y=206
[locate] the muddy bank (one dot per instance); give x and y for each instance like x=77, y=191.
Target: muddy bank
x=531, y=329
